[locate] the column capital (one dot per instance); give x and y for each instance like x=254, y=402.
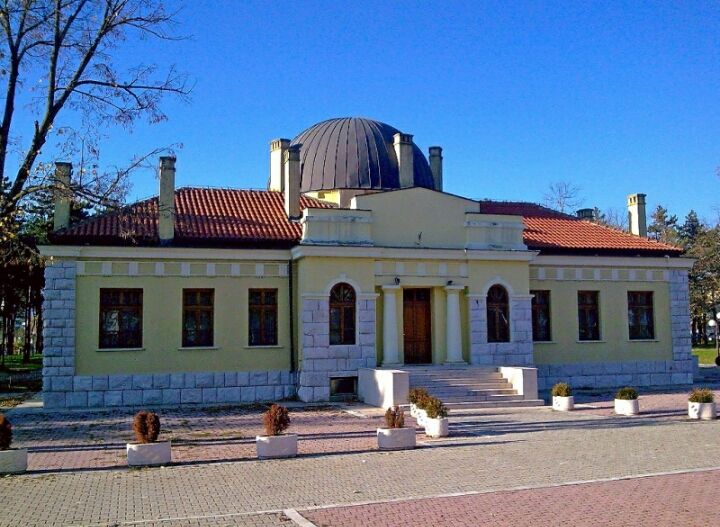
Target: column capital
x=390, y=287
x=454, y=288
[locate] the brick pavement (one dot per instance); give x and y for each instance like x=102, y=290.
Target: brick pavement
x=489, y=452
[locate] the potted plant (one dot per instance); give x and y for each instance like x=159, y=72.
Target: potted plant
x=701, y=404
x=415, y=397
x=395, y=436
x=12, y=460
x=436, y=424
x=148, y=450
x=562, y=397
x=275, y=444
x=626, y=401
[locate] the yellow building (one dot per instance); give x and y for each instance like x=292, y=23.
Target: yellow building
x=353, y=260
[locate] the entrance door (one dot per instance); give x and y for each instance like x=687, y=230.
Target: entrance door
x=416, y=326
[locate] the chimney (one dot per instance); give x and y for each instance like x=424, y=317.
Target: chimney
x=636, y=214
x=403, y=144
x=585, y=214
x=63, y=172
x=278, y=147
x=292, y=182
x=436, y=166
x=166, y=200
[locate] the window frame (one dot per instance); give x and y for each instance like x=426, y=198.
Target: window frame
x=584, y=334
x=342, y=335
x=197, y=309
x=120, y=307
x=500, y=313
x=263, y=308
x=649, y=307
x=537, y=309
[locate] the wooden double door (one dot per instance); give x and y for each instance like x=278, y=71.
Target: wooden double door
x=417, y=325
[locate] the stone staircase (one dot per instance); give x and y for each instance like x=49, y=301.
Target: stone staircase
x=468, y=387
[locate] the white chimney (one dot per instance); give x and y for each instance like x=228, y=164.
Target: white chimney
x=403, y=144
x=292, y=181
x=436, y=166
x=278, y=147
x=63, y=172
x=636, y=214
x=166, y=200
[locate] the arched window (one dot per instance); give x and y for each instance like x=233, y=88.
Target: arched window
x=498, y=315
x=342, y=314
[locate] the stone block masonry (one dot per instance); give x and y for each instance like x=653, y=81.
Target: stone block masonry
x=517, y=352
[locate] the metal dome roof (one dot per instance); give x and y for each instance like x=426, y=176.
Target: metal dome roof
x=354, y=153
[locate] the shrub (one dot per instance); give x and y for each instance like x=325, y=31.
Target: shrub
x=435, y=408
x=276, y=420
x=394, y=417
x=146, y=426
x=627, y=393
x=562, y=389
x=5, y=433
x=701, y=395
x=416, y=395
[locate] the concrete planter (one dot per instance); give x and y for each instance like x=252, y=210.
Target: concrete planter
x=395, y=438
x=420, y=416
x=702, y=410
x=437, y=427
x=13, y=461
x=149, y=454
x=563, y=404
x=627, y=406
x=271, y=447
x=413, y=410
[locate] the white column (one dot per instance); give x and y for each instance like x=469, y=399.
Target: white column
x=391, y=355
x=453, y=331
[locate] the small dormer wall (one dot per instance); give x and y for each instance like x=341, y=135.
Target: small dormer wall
x=494, y=232
x=336, y=227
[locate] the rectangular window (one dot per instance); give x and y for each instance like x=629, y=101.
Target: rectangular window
x=640, y=315
x=198, y=314
x=121, y=318
x=262, y=323
x=541, y=315
x=588, y=315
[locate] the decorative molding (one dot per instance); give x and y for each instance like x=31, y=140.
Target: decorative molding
x=200, y=269
x=595, y=275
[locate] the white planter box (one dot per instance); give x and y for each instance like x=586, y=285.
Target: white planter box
x=420, y=416
x=627, y=406
x=13, y=461
x=563, y=404
x=702, y=410
x=437, y=427
x=149, y=454
x=395, y=438
x=413, y=410
x=270, y=447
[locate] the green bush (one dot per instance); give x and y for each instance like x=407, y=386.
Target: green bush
x=701, y=395
x=627, y=393
x=276, y=420
x=394, y=417
x=435, y=408
x=561, y=389
x=416, y=395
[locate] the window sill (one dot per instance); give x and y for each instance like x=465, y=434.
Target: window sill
x=643, y=340
x=106, y=350
x=544, y=342
x=200, y=348
x=263, y=346
x=591, y=341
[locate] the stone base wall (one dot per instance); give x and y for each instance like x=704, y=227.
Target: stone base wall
x=617, y=374
x=320, y=361
x=172, y=389
x=517, y=352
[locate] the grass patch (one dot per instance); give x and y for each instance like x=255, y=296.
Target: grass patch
x=11, y=401
x=706, y=354
x=14, y=363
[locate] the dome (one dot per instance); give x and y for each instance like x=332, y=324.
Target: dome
x=354, y=153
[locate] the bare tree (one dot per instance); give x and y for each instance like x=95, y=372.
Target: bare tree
x=73, y=47
x=611, y=217
x=563, y=196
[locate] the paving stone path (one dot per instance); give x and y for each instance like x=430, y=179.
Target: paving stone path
x=505, y=467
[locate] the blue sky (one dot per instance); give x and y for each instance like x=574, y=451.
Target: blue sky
x=616, y=97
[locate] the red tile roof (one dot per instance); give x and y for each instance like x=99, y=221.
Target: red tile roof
x=204, y=216
x=235, y=218
x=549, y=231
